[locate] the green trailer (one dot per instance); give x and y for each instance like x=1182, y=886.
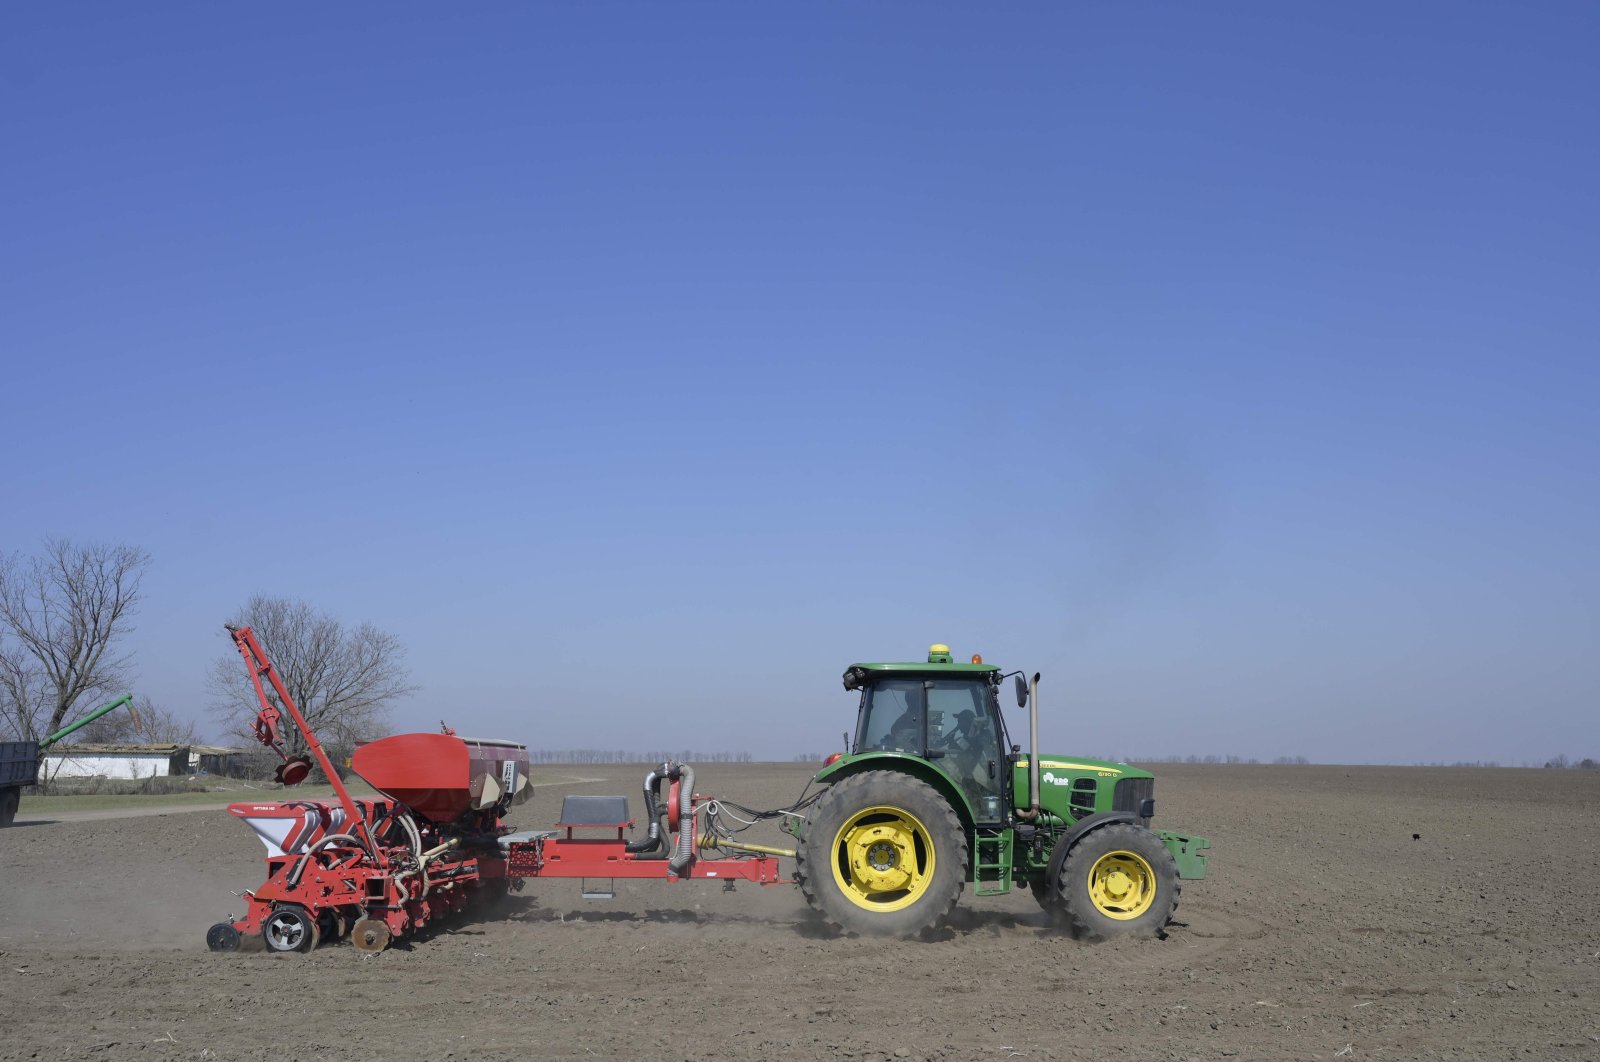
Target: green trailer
x=932, y=797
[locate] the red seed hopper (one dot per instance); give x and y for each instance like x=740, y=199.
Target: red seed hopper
x=442, y=777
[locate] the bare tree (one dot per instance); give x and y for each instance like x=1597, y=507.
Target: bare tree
x=60, y=615
x=343, y=681
x=23, y=697
x=146, y=724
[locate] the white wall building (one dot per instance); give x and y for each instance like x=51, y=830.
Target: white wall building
x=114, y=761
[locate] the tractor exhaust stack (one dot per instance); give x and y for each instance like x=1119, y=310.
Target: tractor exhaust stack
x=1033, y=746
x=1031, y=812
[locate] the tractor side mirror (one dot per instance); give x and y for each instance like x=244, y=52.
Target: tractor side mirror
x=1022, y=693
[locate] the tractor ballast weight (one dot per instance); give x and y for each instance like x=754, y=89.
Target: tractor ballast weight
x=931, y=782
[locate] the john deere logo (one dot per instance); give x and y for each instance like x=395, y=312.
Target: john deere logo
x=1053, y=780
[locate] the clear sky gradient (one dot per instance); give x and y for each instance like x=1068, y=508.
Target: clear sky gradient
x=642, y=366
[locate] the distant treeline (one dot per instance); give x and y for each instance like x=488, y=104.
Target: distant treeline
x=1209, y=759
x=693, y=756
x=689, y=756
x=807, y=757
x=1560, y=762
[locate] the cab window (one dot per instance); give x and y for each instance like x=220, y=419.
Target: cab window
x=891, y=717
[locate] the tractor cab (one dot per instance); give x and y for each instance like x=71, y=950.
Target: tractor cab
x=940, y=711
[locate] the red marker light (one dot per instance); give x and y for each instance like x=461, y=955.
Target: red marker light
x=831, y=760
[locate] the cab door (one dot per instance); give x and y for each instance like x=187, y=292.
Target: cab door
x=963, y=740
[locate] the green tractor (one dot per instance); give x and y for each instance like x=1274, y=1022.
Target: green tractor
x=933, y=795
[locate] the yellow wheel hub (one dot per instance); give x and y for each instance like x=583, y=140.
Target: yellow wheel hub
x=1122, y=885
x=883, y=859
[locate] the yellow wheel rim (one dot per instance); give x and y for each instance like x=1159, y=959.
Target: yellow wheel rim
x=1122, y=885
x=883, y=859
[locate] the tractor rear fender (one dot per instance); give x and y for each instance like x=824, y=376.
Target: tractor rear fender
x=915, y=766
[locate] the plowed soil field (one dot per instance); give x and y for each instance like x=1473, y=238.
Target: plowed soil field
x=1352, y=913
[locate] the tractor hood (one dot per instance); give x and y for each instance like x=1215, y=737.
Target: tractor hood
x=1071, y=766
x=1072, y=787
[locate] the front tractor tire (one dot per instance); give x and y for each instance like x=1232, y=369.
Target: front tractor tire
x=1048, y=899
x=883, y=855
x=1117, y=881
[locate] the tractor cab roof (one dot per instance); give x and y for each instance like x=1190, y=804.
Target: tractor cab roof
x=939, y=662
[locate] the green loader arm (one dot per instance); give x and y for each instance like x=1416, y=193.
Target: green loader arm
x=104, y=709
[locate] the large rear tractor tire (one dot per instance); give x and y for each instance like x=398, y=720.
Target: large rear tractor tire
x=883, y=855
x=1118, y=881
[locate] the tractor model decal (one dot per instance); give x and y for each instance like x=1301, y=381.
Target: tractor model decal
x=1062, y=765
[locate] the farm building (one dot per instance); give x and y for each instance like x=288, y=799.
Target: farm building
x=140, y=761
x=115, y=761
x=216, y=759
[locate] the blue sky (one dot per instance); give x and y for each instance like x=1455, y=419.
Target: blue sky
x=642, y=366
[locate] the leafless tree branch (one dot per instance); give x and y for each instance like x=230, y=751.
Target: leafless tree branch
x=343, y=681
x=147, y=724
x=60, y=614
